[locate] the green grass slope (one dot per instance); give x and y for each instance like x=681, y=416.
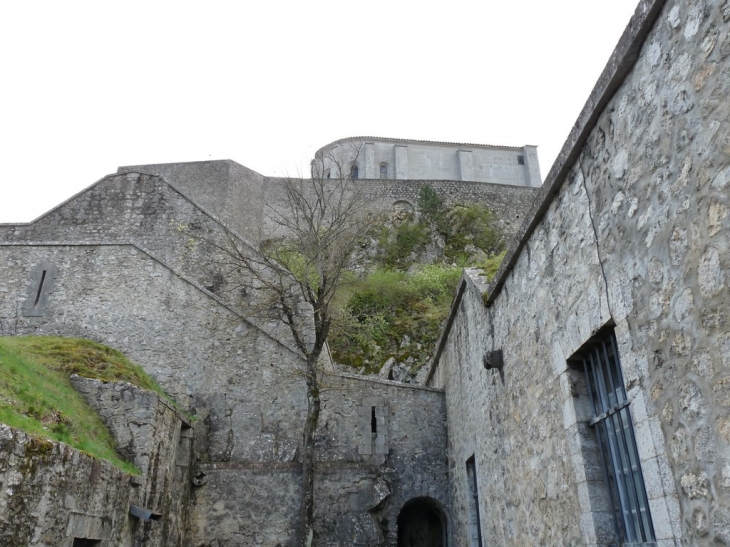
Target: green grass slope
x=36, y=394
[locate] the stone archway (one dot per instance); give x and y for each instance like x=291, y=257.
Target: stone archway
x=421, y=523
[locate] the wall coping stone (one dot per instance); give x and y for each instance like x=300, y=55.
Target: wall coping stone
x=384, y=382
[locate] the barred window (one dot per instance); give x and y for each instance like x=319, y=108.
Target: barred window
x=615, y=433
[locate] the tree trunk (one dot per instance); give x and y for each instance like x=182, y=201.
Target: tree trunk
x=306, y=513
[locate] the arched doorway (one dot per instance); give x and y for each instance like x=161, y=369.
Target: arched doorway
x=421, y=523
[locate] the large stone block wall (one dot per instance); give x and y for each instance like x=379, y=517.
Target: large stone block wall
x=510, y=204
x=379, y=473
x=226, y=189
x=631, y=231
x=656, y=167
x=147, y=211
x=361, y=483
x=249, y=398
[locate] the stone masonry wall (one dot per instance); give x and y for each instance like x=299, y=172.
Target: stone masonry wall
x=197, y=349
x=375, y=475
x=361, y=482
x=147, y=211
x=154, y=436
x=632, y=231
x=51, y=494
x=224, y=188
x=124, y=273
x=510, y=204
x=657, y=169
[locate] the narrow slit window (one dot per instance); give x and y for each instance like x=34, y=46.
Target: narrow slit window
x=373, y=421
x=475, y=529
x=40, y=288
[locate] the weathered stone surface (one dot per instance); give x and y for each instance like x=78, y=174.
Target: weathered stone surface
x=51, y=494
x=359, y=492
x=630, y=230
x=157, y=438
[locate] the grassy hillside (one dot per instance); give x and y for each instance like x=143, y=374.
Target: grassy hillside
x=36, y=394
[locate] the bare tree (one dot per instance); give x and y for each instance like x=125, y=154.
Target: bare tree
x=319, y=223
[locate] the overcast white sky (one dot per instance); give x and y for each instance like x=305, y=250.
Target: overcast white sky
x=87, y=86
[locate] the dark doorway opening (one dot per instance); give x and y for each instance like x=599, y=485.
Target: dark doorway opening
x=83, y=542
x=421, y=523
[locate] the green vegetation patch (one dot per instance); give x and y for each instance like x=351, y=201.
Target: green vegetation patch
x=398, y=309
x=471, y=225
x=37, y=397
x=393, y=314
x=397, y=245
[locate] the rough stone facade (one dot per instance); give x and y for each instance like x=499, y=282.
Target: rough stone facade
x=629, y=234
x=627, y=238
x=52, y=495
x=125, y=267
x=363, y=479
x=150, y=433
x=248, y=202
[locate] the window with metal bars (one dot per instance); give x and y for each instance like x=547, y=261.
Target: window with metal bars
x=615, y=433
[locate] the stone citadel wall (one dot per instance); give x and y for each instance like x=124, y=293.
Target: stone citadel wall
x=125, y=268
x=248, y=202
x=630, y=235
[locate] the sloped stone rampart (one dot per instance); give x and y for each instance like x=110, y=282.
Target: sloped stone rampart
x=147, y=211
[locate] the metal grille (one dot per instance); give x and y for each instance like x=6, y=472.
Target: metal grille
x=615, y=432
